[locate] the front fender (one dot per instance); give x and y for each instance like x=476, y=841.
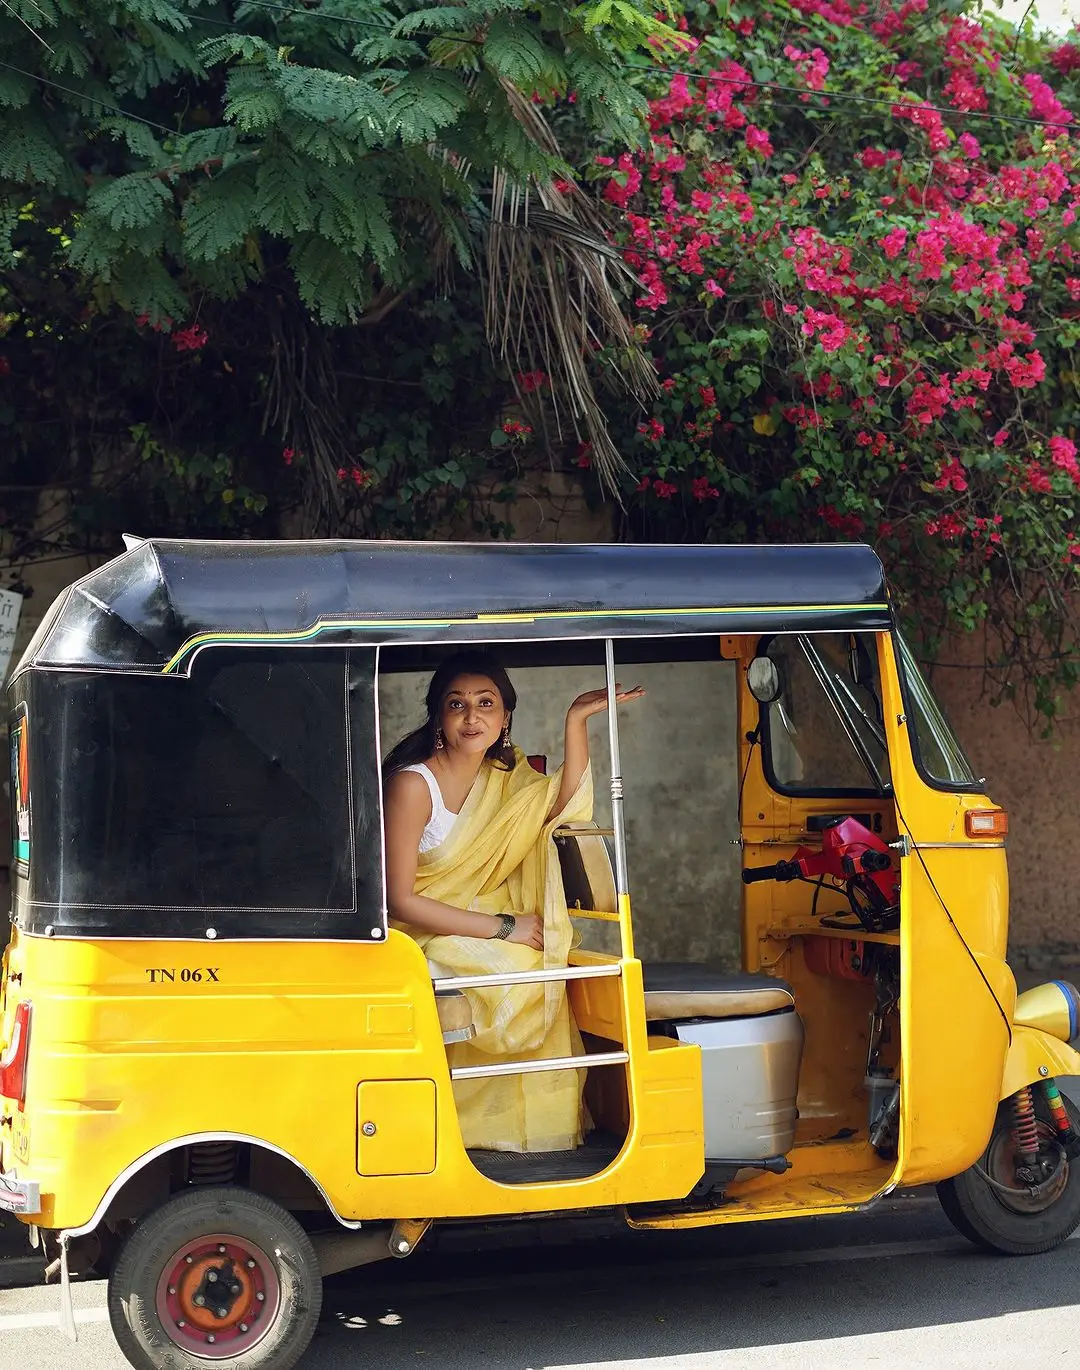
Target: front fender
x=1034, y=1055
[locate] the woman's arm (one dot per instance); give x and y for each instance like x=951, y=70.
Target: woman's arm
x=408, y=809
x=576, y=739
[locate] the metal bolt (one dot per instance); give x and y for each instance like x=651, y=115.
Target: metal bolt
x=221, y=1251
x=403, y=1247
x=189, y=1259
x=243, y=1327
x=172, y=1288
x=1044, y=1070
x=211, y=1275
x=251, y=1265
x=199, y=1301
x=210, y=1337
x=234, y=1289
x=211, y=933
x=221, y=1312
x=260, y=1297
x=369, y=1129
x=181, y=1323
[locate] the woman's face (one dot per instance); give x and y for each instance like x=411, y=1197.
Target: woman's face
x=472, y=716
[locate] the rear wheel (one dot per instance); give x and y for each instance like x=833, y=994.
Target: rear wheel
x=220, y=1275
x=988, y=1205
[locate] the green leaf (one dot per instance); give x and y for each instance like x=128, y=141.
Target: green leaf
x=283, y=200
x=15, y=89
x=194, y=150
x=425, y=103
x=443, y=19
x=132, y=201
x=218, y=215
x=26, y=154
x=515, y=53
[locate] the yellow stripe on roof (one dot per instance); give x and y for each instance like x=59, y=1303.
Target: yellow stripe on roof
x=300, y=635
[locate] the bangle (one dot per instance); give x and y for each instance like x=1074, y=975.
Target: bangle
x=508, y=924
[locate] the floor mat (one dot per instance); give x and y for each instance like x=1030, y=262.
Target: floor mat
x=540, y=1167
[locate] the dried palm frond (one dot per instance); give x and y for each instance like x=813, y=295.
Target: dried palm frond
x=552, y=297
x=302, y=404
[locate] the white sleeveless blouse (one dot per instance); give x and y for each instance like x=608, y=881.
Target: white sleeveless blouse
x=442, y=820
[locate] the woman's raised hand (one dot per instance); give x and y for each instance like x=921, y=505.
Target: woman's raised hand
x=596, y=701
x=528, y=931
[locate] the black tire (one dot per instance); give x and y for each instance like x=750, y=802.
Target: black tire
x=281, y=1271
x=993, y=1218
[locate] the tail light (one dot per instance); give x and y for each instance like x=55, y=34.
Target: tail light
x=13, y=1061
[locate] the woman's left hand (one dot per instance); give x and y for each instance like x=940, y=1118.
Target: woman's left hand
x=596, y=701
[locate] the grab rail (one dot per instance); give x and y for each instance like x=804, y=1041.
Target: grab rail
x=601, y=1058
x=526, y=977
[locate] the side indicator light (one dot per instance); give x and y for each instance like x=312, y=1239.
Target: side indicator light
x=986, y=822
x=13, y=1061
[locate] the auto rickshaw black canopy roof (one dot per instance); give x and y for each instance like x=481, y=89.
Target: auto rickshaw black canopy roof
x=152, y=608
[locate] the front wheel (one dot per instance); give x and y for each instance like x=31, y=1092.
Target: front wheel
x=991, y=1208
x=221, y=1275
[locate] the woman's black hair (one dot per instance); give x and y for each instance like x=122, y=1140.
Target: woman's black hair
x=419, y=745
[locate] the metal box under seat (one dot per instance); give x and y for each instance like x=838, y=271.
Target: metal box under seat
x=751, y=1041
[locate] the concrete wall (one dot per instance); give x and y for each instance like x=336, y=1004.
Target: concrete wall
x=1036, y=780
x=681, y=784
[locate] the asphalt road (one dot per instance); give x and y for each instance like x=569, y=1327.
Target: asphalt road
x=892, y=1288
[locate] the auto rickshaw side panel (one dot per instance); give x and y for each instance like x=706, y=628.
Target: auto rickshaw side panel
x=137, y=1046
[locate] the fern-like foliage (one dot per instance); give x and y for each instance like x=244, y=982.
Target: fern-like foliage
x=342, y=153
x=190, y=135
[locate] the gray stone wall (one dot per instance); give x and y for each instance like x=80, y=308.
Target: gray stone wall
x=680, y=780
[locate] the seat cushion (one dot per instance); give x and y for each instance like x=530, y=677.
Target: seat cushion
x=677, y=990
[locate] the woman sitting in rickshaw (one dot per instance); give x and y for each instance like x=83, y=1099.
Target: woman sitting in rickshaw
x=472, y=875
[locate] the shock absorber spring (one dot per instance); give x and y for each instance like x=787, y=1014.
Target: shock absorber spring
x=1025, y=1129
x=212, y=1163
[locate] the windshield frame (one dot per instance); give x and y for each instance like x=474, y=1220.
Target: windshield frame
x=876, y=788
x=912, y=710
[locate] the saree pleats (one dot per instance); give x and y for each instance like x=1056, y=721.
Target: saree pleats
x=500, y=857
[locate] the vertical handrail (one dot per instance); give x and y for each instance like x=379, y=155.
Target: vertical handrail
x=622, y=883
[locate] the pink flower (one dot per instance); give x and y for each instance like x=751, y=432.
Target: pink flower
x=757, y=140
x=190, y=339
x=1063, y=452
x=1037, y=479
x=969, y=145
x=702, y=490
x=714, y=289
x=894, y=242
x=528, y=381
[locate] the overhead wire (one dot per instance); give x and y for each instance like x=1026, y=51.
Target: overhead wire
x=90, y=99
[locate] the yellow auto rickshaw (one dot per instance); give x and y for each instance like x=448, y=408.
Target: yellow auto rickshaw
x=224, y=1074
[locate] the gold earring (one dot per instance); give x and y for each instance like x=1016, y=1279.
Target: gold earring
x=506, y=733
x=439, y=744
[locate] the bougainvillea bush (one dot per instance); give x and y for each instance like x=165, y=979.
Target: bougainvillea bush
x=863, y=299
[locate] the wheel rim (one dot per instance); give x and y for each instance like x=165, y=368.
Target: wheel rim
x=218, y=1296
x=1000, y=1164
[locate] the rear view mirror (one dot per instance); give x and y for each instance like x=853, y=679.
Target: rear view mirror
x=763, y=679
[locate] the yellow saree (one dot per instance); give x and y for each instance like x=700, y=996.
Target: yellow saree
x=500, y=858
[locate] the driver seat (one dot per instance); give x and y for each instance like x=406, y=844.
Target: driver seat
x=679, y=990
x=673, y=990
